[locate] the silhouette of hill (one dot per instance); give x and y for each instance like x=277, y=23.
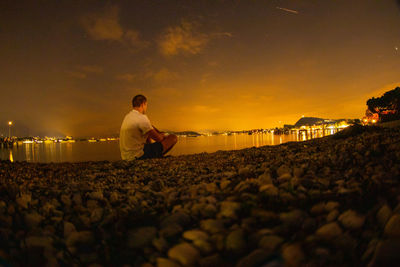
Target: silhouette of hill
x=308, y=121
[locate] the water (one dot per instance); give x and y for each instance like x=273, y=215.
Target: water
x=109, y=150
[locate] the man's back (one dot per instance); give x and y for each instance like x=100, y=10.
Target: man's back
x=133, y=135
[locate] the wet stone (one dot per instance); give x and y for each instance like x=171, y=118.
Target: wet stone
x=383, y=215
x=329, y=231
x=392, y=228
x=351, y=219
x=184, y=253
x=141, y=237
x=270, y=242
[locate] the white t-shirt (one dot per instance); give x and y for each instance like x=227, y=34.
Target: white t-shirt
x=133, y=135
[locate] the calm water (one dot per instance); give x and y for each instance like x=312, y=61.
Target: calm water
x=109, y=150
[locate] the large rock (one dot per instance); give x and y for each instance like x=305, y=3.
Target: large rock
x=386, y=253
x=185, y=254
x=229, y=209
x=351, y=219
x=195, y=235
x=256, y=258
x=292, y=217
x=293, y=255
x=141, y=237
x=329, y=231
x=270, y=242
x=383, y=215
x=235, y=241
x=392, y=228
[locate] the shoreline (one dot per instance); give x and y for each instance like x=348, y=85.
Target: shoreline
x=326, y=201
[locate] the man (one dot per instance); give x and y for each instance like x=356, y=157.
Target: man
x=137, y=132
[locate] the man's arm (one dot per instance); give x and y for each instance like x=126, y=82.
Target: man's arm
x=156, y=136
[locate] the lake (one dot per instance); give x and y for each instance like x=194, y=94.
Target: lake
x=109, y=150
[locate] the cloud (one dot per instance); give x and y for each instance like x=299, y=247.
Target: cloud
x=184, y=38
x=76, y=74
x=106, y=26
x=125, y=77
x=90, y=69
x=161, y=76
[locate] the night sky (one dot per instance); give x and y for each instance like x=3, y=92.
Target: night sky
x=72, y=67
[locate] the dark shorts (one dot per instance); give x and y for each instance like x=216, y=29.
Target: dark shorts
x=153, y=150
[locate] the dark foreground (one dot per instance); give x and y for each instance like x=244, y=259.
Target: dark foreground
x=329, y=201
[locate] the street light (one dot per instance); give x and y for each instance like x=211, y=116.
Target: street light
x=9, y=128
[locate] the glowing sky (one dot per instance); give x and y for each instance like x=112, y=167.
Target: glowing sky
x=72, y=67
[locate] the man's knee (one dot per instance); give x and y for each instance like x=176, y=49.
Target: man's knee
x=174, y=138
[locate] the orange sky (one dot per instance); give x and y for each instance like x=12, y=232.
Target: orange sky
x=73, y=68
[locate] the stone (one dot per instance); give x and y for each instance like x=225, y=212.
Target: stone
x=82, y=237
x=270, y=242
x=331, y=205
x=256, y=258
x=245, y=171
x=24, y=200
x=318, y=208
x=96, y=215
x=386, y=253
x=184, y=253
x=383, y=215
x=204, y=246
x=212, y=260
x=33, y=220
x=351, y=219
x=392, y=228
x=283, y=169
x=77, y=199
x=264, y=179
x=171, y=230
x=141, y=237
x=284, y=178
x=292, y=217
x=68, y=229
x=114, y=197
x=269, y=189
x=212, y=226
x=163, y=262
x=180, y=218
x=195, y=235
x=39, y=241
x=235, y=241
x=66, y=200
x=329, y=231
x=160, y=244
x=98, y=195
x=332, y=216
x=229, y=209
x=293, y=255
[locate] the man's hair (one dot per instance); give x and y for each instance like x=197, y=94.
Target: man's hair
x=138, y=100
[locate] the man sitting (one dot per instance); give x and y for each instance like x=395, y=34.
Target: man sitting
x=137, y=133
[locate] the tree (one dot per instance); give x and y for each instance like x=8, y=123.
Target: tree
x=386, y=106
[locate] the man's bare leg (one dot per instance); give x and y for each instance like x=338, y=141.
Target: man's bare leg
x=168, y=143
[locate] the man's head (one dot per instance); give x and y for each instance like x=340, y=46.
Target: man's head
x=139, y=102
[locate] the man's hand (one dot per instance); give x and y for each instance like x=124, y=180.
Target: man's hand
x=156, y=136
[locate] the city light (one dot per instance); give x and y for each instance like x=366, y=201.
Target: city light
x=10, y=123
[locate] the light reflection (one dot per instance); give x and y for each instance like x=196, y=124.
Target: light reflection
x=11, y=156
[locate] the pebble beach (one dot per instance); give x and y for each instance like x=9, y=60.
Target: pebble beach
x=332, y=201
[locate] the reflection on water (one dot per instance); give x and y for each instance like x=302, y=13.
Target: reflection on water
x=86, y=151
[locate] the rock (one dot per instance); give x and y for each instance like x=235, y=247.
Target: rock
x=171, y=230
x=332, y=216
x=185, y=254
x=204, y=246
x=195, y=235
x=224, y=184
x=270, y=242
x=160, y=244
x=245, y=171
x=392, y=228
x=213, y=260
x=33, y=220
x=96, y=215
x=293, y=255
x=77, y=199
x=329, y=231
x=114, y=197
x=68, y=229
x=383, y=215
x=269, y=189
x=208, y=211
x=24, y=200
x=76, y=238
x=229, y=209
x=163, y=262
x=256, y=258
x=98, y=195
x=318, y=208
x=212, y=226
x=235, y=241
x=66, y=200
x=180, y=218
x=141, y=237
x=351, y=219
x=39, y=241
x=264, y=179
x=386, y=253
x=283, y=169
x=292, y=217
x=331, y=205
